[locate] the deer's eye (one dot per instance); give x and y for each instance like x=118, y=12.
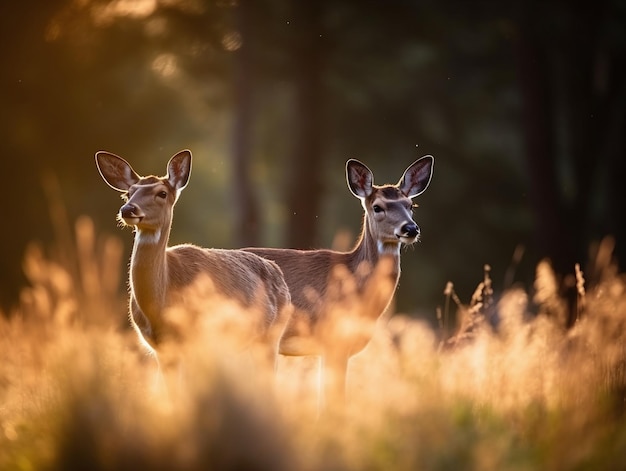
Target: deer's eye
x=162, y=194
x=377, y=208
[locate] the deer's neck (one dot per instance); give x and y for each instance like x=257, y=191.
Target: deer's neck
x=370, y=251
x=148, y=273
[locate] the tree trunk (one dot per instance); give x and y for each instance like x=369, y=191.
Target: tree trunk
x=577, y=58
x=247, y=220
x=552, y=235
x=539, y=136
x=306, y=186
x=616, y=189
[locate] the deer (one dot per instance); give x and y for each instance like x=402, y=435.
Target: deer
x=338, y=297
x=163, y=278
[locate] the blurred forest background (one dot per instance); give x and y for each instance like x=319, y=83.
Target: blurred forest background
x=522, y=103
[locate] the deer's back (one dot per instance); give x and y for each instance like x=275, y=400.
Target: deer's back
x=306, y=273
x=336, y=297
x=234, y=274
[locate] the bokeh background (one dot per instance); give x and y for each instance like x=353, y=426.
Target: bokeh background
x=522, y=103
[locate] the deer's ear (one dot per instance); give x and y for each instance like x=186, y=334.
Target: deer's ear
x=359, y=178
x=416, y=178
x=115, y=171
x=179, y=169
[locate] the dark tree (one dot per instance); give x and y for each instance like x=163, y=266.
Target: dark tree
x=573, y=89
x=305, y=184
x=247, y=220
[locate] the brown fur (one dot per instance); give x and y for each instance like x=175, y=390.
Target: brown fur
x=339, y=296
x=311, y=276
x=162, y=278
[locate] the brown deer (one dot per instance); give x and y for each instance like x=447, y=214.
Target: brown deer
x=339, y=296
x=162, y=278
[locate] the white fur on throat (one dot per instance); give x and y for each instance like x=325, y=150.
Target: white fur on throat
x=148, y=237
x=388, y=249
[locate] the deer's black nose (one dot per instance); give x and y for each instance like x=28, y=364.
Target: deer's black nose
x=128, y=211
x=411, y=229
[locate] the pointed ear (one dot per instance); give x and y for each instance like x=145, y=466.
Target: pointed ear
x=115, y=171
x=359, y=178
x=179, y=169
x=416, y=178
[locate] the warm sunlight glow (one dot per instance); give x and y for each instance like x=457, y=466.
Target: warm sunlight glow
x=77, y=392
x=232, y=41
x=119, y=8
x=188, y=6
x=165, y=65
x=53, y=31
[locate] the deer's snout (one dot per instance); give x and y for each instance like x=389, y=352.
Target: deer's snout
x=410, y=230
x=130, y=213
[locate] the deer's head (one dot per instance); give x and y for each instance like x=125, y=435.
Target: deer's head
x=388, y=208
x=149, y=201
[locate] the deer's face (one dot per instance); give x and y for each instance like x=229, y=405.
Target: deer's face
x=148, y=204
x=149, y=201
x=389, y=215
x=389, y=207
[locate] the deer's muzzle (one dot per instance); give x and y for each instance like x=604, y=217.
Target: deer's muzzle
x=131, y=214
x=409, y=233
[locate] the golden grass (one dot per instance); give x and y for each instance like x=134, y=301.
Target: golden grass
x=77, y=393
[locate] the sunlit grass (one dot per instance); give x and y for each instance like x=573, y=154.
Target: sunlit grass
x=76, y=392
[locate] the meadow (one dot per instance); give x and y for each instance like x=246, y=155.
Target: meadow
x=513, y=390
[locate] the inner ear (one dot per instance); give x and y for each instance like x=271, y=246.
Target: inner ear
x=416, y=177
x=179, y=170
x=360, y=178
x=115, y=171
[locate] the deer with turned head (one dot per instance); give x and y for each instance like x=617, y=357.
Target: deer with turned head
x=160, y=277
x=339, y=296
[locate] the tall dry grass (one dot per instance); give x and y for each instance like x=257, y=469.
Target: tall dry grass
x=514, y=390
